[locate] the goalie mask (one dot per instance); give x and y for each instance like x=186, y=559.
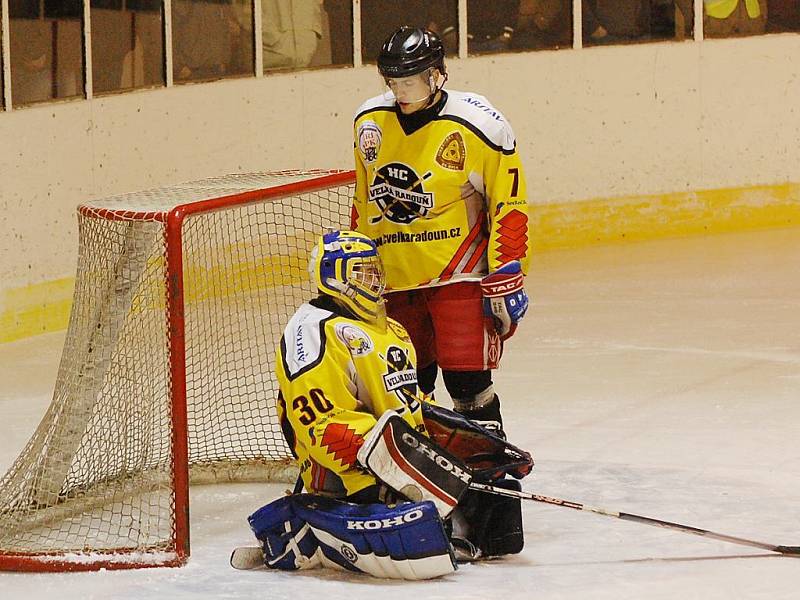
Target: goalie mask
x=345, y=265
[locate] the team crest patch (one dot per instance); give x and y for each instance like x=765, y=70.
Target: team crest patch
x=400, y=194
x=401, y=376
x=452, y=153
x=355, y=338
x=369, y=141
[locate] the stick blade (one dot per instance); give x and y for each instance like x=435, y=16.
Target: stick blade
x=790, y=550
x=246, y=558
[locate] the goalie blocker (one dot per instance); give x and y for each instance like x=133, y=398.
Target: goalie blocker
x=482, y=524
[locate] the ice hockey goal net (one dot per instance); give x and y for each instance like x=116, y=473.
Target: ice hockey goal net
x=181, y=294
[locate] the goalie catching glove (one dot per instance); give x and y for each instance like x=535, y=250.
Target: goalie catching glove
x=489, y=456
x=505, y=300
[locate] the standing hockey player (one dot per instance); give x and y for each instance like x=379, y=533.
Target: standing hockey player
x=440, y=189
x=347, y=381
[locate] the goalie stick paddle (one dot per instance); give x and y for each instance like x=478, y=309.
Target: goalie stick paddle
x=785, y=550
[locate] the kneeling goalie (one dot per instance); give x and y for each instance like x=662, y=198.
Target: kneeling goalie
x=387, y=473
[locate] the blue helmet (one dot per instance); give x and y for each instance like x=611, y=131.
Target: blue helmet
x=345, y=265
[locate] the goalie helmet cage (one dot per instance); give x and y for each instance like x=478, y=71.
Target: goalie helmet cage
x=181, y=295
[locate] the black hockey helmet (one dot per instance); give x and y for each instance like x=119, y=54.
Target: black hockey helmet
x=410, y=50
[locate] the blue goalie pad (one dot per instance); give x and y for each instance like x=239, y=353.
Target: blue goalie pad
x=306, y=531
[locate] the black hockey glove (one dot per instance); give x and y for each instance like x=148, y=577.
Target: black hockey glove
x=488, y=455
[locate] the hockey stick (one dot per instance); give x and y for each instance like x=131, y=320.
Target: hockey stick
x=785, y=550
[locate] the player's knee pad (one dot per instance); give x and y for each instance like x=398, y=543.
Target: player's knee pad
x=305, y=531
x=492, y=523
x=473, y=394
x=470, y=390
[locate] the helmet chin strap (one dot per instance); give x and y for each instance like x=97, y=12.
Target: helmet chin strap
x=432, y=97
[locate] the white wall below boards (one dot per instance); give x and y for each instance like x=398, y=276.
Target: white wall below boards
x=592, y=123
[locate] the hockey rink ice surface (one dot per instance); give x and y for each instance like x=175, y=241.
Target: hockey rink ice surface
x=658, y=378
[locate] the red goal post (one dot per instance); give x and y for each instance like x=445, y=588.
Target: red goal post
x=181, y=295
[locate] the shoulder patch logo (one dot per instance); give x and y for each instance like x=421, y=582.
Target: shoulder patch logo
x=369, y=141
x=355, y=338
x=452, y=153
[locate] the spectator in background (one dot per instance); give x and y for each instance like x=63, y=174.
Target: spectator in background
x=517, y=25
x=202, y=39
x=240, y=28
x=340, y=19
x=379, y=18
x=664, y=22
x=614, y=21
x=291, y=31
x=543, y=24
x=783, y=15
x=490, y=25
x=620, y=21
x=36, y=31
x=112, y=40
x=725, y=18
x=31, y=64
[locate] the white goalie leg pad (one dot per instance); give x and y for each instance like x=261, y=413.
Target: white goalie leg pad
x=385, y=566
x=413, y=465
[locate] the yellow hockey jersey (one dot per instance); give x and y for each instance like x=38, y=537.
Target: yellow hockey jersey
x=337, y=375
x=443, y=197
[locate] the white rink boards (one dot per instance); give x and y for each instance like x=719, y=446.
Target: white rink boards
x=658, y=378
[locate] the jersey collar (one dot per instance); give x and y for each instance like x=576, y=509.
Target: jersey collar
x=418, y=120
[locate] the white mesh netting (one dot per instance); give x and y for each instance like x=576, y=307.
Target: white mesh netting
x=97, y=475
